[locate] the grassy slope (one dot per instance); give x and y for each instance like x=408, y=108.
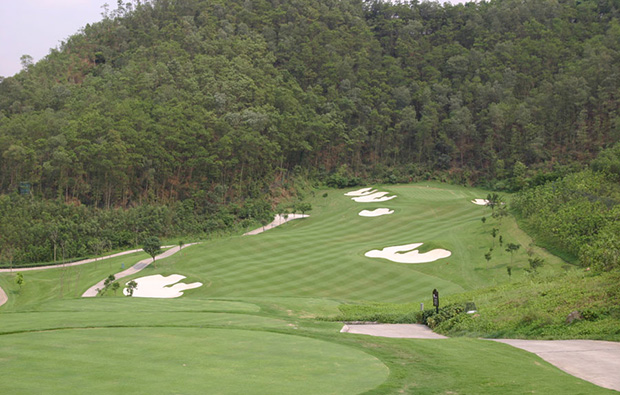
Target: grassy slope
x=277, y=282
x=538, y=308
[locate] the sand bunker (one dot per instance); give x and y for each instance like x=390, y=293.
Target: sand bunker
x=374, y=197
x=361, y=192
x=158, y=286
x=399, y=254
x=480, y=202
x=375, y=213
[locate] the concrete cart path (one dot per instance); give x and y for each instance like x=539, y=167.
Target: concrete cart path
x=592, y=360
x=92, y=291
x=277, y=221
x=3, y=296
x=405, y=331
x=63, y=265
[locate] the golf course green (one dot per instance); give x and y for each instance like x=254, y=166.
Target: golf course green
x=260, y=324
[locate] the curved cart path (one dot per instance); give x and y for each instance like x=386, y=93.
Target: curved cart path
x=60, y=266
x=92, y=291
x=277, y=221
x=4, y=298
x=592, y=360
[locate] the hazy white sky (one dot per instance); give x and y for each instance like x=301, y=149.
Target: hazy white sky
x=33, y=27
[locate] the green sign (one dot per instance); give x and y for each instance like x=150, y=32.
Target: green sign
x=24, y=188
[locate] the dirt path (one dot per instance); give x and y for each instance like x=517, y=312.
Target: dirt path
x=92, y=291
x=592, y=360
x=278, y=220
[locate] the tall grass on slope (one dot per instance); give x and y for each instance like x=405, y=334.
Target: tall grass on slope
x=534, y=308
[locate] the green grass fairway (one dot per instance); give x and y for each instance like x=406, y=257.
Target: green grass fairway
x=253, y=327
x=323, y=255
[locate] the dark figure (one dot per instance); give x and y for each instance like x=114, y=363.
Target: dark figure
x=436, y=300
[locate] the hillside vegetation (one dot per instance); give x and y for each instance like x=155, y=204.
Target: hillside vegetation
x=165, y=100
x=223, y=104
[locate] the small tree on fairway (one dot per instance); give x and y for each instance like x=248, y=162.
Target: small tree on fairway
x=509, y=270
x=115, y=286
x=500, y=213
x=303, y=207
x=109, y=282
x=501, y=240
x=487, y=256
x=152, y=246
x=19, y=280
x=131, y=286
x=493, y=200
x=483, y=219
x=494, y=233
x=511, y=248
x=181, y=244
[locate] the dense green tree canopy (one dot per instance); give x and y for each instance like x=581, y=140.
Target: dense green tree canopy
x=192, y=105
x=165, y=98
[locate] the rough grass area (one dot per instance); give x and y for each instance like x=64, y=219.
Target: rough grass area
x=538, y=309
x=534, y=308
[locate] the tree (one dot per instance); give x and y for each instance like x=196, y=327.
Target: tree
x=26, y=61
x=500, y=213
x=303, y=207
x=535, y=263
x=494, y=233
x=131, y=286
x=107, y=284
x=487, y=256
x=152, y=246
x=181, y=244
x=19, y=280
x=493, y=200
x=511, y=248
x=509, y=270
x=115, y=286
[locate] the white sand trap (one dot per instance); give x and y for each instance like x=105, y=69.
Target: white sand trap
x=361, y=192
x=399, y=254
x=376, y=213
x=158, y=286
x=374, y=197
x=480, y=202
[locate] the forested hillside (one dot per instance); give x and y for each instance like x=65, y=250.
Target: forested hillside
x=213, y=102
x=580, y=213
